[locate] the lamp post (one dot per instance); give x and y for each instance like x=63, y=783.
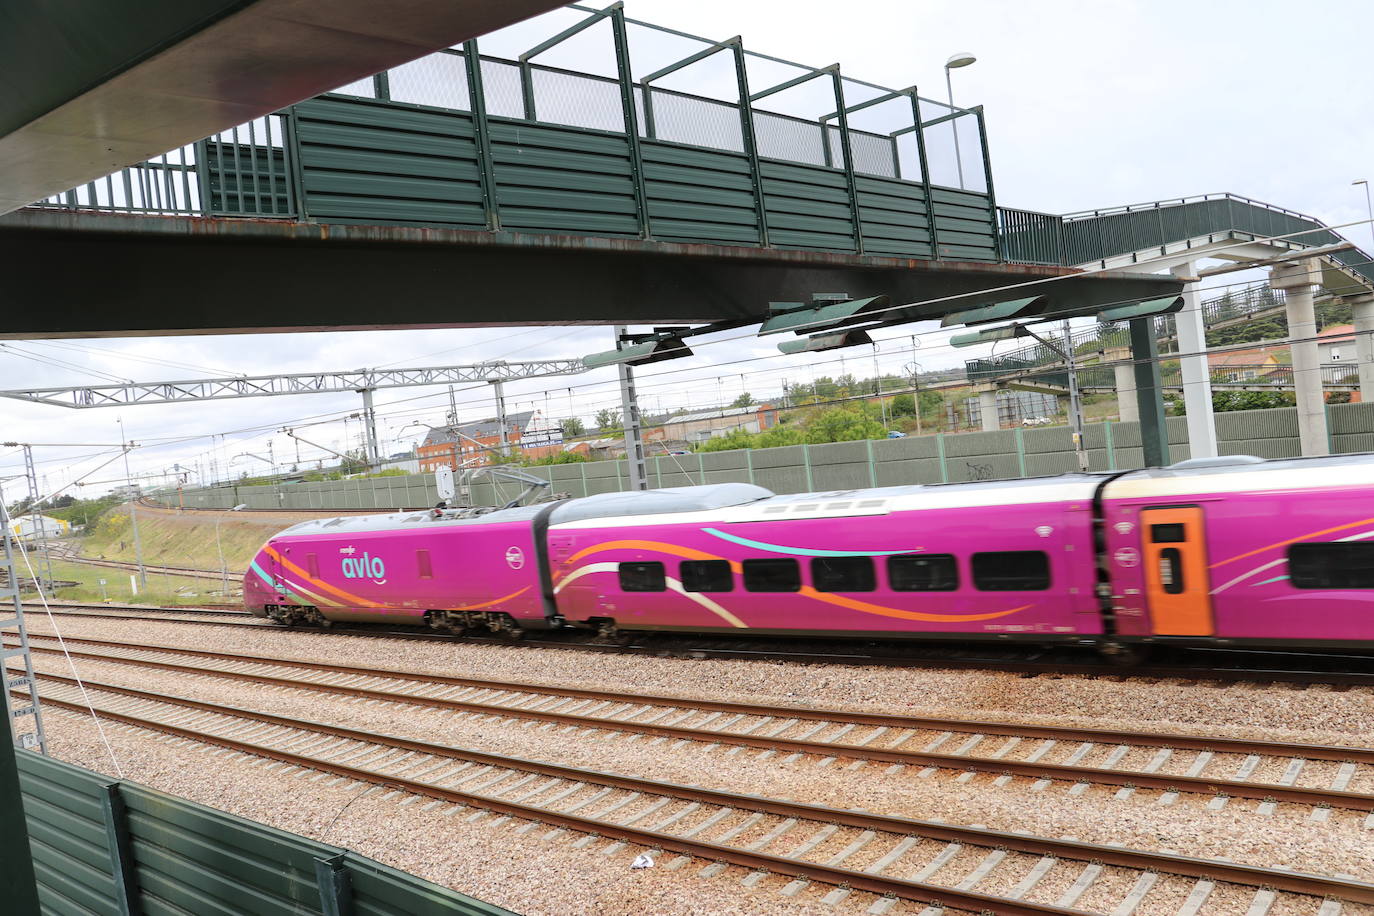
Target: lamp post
x=960, y=59
x=1369, y=205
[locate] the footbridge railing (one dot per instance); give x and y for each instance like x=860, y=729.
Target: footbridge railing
x=811, y=159
x=1098, y=235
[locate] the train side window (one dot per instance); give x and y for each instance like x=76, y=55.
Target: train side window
x=1171, y=570
x=312, y=565
x=1331, y=565
x=1011, y=571
x=843, y=574
x=772, y=575
x=706, y=576
x=920, y=572
x=1167, y=534
x=642, y=577
x=424, y=567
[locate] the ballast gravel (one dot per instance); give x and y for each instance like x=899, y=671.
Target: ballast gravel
x=532, y=876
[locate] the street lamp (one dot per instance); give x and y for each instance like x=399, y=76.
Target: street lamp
x=1368, y=205
x=957, y=60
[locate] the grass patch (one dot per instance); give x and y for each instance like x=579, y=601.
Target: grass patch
x=165, y=590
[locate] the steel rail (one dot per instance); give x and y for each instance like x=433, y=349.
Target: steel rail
x=1215, y=870
x=227, y=610
x=937, y=895
x=1056, y=771
x=1221, y=744
x=1362, y=678
x=187, y=571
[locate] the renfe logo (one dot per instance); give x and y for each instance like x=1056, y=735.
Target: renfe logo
x=363, y=567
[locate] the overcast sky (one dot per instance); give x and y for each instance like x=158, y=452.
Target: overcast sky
x=1088, y=104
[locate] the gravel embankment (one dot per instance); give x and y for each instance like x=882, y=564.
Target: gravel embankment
x=530, y=875
x=1280, y=713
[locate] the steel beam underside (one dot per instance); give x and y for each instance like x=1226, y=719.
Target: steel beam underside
x=96, y=88
x=124, y=275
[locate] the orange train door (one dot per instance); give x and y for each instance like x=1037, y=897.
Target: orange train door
x=1175, y=561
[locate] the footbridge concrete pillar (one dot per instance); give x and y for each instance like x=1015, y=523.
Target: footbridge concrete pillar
x=1197, y=380
x=987, y=409
x=1298, y=280
x=1363, y=309
x=1124, y=372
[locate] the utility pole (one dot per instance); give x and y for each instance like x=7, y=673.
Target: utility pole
x=1075, y=405
x=40, y=532
x=370, y=427
x=916, y=381
x=133, y=508
x=500, y=392
x=452, y=408
x=629, y=407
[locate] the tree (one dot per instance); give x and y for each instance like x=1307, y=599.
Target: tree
x=572, y=426
x=779, y=435
x=607, y=418
x=744, y=400
x=559, y=458
x=843, y=424
x=735, y=438
x=904, y=405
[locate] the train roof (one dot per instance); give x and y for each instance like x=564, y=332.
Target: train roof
x=1238, y=473
x=650, y=507
x=706, y=498
x=742, y=502
x=401, y=521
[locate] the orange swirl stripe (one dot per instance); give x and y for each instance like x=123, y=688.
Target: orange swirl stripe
x=1287, y=541
x=319, y=586
x=807, y=591
x=473, y=607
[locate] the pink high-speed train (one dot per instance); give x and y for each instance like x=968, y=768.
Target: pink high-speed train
x=1234, y=551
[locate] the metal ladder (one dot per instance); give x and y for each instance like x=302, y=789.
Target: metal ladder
x=26, y=712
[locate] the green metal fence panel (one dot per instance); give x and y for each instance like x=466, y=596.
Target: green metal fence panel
x=840, y=466
x=374, y=161
x=190, y=859
x=563, y=179
x=808, y=206
x=700, y=195
x=963, y=221
x=72, y=862
x=894, y=217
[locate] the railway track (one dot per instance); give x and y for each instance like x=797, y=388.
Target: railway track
x=1337, y=777
x=882, y=857
x=152, y=569
x=1204, y=665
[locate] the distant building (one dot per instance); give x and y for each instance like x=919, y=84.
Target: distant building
x=1252, y=364
x=704, y=425
x=472, y=445
x=128, y=491
x=1337, y=345
x=23, y=528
